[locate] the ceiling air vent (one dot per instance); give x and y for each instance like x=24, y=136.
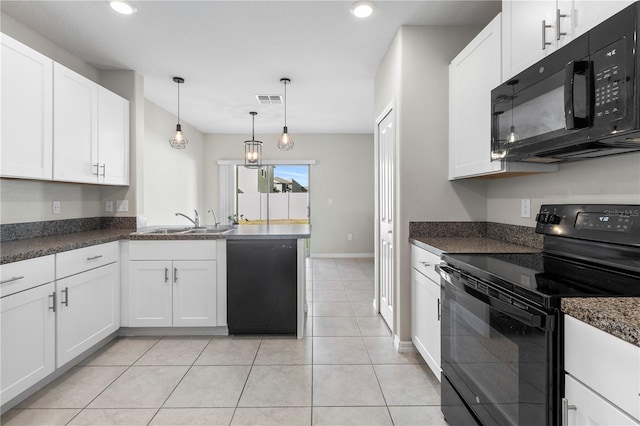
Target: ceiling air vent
x=269, y=99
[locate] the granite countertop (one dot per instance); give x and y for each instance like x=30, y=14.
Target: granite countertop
x=439, y=245
x=29, y=248
x=619, y=316
x=236, y=233
x=14, y=251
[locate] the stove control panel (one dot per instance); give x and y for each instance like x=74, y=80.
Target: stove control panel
x=597, y=222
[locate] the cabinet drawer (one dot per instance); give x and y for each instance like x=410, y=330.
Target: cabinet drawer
x=425, y=262
x=172, y=250
x=23, y=275
x=608, y=365
x=80, y=260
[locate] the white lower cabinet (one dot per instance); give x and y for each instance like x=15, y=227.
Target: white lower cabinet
x=173, y=284
x=27, y=340
x=602, y=377
x=88, y=310
x=425, y=307
x=172, y=293
x=584, y=407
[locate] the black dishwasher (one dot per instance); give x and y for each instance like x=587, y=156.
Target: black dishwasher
x=262, y=286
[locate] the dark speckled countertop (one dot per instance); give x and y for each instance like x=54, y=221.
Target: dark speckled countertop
x=439, y=245
x=619, y=316
x=14, y=251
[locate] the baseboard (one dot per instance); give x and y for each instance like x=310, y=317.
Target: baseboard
x=170, y=331
x=341, y=255
x=403, y=346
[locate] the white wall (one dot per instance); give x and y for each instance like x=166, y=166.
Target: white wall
x=343, y=173
x=414, y=76
x=173, y=178
x=614, y=179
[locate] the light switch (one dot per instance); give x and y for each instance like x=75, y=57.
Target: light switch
x=330, y=201
x=108, y=206
x=122, y=205
x=525, y=208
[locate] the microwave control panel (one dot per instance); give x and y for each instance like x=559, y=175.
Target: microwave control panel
x=609, y=74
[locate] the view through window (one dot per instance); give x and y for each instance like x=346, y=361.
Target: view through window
x=273, y=195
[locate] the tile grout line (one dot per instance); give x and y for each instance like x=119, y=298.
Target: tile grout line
x=113, y=381
x=180, y=381
x=244, y=386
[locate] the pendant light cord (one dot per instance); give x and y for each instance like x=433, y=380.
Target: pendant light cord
x=285, y=104
x=178, y=102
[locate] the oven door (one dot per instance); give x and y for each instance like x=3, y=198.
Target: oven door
x=497, y=353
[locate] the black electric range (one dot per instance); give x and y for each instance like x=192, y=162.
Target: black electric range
x=501, y=328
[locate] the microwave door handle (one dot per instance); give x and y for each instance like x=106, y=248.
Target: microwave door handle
x=571, y=70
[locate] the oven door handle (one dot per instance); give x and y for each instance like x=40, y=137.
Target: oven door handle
x=517, y=313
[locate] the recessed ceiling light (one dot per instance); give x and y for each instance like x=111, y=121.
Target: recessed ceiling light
x=362, y=8
x=123, y=7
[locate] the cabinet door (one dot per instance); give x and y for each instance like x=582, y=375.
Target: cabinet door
x=113, y=138
x=472, y=76
x=194, y=293
x=425, y=319
x=522, y=35
x=27, y=97
x=75, y=127
x=590, y=409
x=88, y=310
x=150, y=293
x=586, y=14
x=28, y=339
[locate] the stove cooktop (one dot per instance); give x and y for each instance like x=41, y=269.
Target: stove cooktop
x=546, y=279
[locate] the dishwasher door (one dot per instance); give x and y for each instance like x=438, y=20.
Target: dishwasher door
x=262, y=286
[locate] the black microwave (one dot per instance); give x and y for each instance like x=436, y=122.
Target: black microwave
x=580, y=102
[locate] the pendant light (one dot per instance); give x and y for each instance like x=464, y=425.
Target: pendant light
x=285, y=142
x=253, y=148
x=178, y=139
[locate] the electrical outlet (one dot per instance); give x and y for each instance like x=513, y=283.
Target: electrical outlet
x=350, y=237
x=525, y=208
x=330, y=201
x=108, y=206
x=56, y=207
x=122, y=205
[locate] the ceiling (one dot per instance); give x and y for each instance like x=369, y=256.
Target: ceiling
x=230, y=51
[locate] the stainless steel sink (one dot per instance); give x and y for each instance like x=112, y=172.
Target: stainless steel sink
x=209, y=230
x=190, y=230
x=167, y=231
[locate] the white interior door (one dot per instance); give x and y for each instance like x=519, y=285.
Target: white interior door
x=386, y=166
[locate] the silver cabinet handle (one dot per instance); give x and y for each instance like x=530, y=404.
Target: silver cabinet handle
x=97, y=166
x=426, y=264
x=565, y=411
x=12, y=279
x=166, y=275
x=545, y=43
x=53, y=305
x=439, y=311
x=104, y=169
x=558, y=16
x=175, y=275
x=65, y=301
x=94, y=257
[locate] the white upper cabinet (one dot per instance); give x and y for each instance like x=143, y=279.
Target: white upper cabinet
x=91, y=131
x=75, y=127
x=533, y=29
x=113, y=138
x=472, y=76
x=27, y=101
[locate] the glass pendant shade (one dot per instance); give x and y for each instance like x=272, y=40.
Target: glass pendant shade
x=285, y=141
x=512, y=135
x=253, y=148
x=178, y=140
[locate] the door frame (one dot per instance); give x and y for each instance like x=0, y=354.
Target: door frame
x=389, y=109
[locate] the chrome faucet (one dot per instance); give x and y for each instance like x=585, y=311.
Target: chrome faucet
x=215, y=220
x=195, y=221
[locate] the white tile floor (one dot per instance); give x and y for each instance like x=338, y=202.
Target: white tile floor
x=345, y=372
